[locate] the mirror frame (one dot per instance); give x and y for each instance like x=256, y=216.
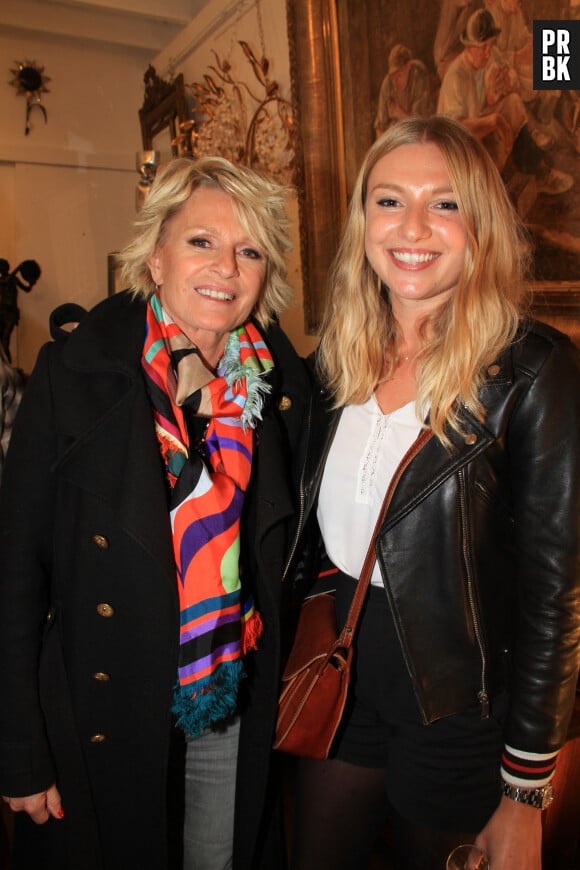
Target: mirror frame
x=164, y=106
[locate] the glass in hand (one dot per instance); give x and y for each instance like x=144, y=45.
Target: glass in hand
x=468, y=857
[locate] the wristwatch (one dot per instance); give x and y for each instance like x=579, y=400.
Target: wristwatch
x=540, y=798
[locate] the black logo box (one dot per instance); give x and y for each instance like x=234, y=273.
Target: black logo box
x=557, y=55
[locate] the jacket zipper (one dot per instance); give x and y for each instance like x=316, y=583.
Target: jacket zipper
x=483, y=694
x=301, y=492
x=301, y=498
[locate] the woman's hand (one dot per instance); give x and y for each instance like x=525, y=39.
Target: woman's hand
x=513, y=837
x=38, y=806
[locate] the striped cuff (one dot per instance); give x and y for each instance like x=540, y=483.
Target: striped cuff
x=527, y=769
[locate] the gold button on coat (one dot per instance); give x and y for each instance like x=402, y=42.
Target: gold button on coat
x=98, y=738
x=471, y=438
x=285, y=403
x=101, y=542
x=105, y=609
x=494, y=370
x=101, y=677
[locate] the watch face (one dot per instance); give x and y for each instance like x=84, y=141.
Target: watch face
x=548, y=796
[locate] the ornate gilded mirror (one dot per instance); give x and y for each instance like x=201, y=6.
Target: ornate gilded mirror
x=164, y=109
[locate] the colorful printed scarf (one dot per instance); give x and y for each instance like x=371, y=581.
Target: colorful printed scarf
x=207, y=477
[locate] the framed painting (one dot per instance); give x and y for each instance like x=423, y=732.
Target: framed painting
x=357, y=64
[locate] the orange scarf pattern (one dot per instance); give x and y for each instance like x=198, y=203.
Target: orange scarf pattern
x=207, y=475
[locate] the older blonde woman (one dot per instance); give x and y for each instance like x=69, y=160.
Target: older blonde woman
x=467, y=652
x=144, y=514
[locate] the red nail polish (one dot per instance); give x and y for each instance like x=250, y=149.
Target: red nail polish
x=60, y=813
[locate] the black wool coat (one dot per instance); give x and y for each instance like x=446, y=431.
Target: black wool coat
x=89, y=610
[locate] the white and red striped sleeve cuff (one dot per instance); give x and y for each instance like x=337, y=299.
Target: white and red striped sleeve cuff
x=527, y=769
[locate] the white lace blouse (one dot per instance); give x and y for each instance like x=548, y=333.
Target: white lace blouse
x=367, y=448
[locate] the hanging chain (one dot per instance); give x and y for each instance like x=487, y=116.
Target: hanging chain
x=261, y=28
x=234, y=31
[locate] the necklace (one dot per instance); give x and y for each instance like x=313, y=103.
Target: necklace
x=399, y=362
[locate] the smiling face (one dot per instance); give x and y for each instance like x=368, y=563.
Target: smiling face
x=415, y=236
x=210, y=273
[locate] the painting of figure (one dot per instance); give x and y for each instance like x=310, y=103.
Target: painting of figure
x=471, y=60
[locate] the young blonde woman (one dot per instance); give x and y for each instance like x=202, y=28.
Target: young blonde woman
x=467, y=653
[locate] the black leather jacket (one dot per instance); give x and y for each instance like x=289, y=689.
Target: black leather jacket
x=479, y=548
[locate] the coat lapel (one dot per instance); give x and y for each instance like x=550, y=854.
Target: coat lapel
x=118, y=462
x=113, y=453
x=434, y=464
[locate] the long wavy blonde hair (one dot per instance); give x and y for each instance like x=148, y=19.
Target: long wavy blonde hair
x=359, y=332
x=258, y=203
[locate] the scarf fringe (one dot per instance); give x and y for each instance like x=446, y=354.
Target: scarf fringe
x=256, y=388
x=215, y=698
x=252, y=630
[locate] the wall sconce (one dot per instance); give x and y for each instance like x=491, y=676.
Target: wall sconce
x=30, y=81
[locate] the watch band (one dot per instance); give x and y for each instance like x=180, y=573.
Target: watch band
x=540, y=798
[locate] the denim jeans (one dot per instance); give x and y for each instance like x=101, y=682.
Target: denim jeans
x=210, y=785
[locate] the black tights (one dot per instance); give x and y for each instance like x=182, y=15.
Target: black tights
x=339, y=812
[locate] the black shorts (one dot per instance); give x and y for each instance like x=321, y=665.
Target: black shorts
x=444, y=775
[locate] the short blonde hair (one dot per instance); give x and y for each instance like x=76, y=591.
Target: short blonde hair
x=259, y=205
x=359, y=332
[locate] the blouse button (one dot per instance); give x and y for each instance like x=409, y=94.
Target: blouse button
x=98, y=738
x=285, y=403
x=101, y=677
x=494, y=370
x=105, y=609
x=101, y=542
x=470, y=439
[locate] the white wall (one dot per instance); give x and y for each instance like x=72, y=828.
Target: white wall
x=68, y=188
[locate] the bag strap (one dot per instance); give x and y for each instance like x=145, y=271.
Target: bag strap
x=347, y=634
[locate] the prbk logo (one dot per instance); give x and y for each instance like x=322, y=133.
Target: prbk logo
x=557, y=55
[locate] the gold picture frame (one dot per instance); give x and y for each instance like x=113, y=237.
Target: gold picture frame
x=559, y=305
x=332, y=125
x=319, y=169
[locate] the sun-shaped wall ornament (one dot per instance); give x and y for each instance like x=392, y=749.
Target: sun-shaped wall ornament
x=30, y=81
